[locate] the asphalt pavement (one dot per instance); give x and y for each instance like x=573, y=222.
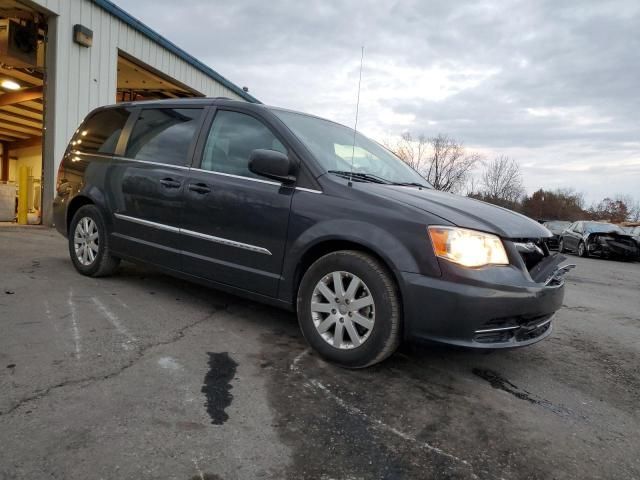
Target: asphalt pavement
x=143, y=376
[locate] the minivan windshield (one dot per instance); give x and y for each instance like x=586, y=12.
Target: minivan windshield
x=332, y=145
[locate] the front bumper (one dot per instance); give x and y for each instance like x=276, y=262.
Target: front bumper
x=472, y=313
x=553, y=242
x=60, y=214
x=614, y=249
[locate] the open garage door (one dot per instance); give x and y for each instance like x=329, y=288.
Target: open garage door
x=22, y=74
x=137, y=82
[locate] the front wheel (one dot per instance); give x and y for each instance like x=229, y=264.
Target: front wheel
x=349, y=309
x=89, y=243
x=561, y=246
x=582, y=250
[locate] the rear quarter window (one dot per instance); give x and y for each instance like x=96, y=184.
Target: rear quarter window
x=101, y=131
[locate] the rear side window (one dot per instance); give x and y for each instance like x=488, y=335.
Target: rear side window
x=232, y=138
x=164, y=135
x=101, y=132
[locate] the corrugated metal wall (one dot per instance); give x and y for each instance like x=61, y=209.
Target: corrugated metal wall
x=80, y=79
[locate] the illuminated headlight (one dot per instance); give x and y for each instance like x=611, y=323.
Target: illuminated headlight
x=467, y=247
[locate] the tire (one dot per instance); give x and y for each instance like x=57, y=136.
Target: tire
x=370, y=330
x=582, y=250
x=561, y=246
x=92, y=234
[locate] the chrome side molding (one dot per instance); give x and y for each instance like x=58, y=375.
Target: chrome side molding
x=203, y=236
x=226, y=241
x=147, y=223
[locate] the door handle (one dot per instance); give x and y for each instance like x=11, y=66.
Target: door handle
x=199, y=188
x=169, y=183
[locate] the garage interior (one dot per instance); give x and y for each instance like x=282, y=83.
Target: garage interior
x=22, y=76
x=137, y=82
x=23, y=73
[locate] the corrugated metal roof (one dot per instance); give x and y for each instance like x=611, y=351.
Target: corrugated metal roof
x=133, y=22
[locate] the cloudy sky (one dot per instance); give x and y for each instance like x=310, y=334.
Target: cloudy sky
x=552, y=84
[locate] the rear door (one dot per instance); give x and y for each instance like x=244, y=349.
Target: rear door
x=149, y=185
x=235, y=222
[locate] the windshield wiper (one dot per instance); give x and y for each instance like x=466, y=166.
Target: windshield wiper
x=367, y=177
x=409, y=184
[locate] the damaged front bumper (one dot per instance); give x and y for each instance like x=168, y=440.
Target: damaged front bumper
x=613, y=248
x=492, y=307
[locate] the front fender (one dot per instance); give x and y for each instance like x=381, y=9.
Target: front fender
x=388, y=247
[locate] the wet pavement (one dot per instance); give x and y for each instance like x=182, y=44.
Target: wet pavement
x=145, y=376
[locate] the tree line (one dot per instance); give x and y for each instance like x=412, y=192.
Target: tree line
x=449, y=167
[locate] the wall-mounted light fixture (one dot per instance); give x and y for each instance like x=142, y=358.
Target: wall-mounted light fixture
x=82, y=35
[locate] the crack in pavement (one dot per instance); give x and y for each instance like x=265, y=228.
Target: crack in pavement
x=374, y=421
x=140, y=353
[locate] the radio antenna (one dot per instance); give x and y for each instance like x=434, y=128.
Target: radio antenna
x=355, y=127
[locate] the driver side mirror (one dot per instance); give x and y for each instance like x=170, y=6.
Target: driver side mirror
x=272, y=164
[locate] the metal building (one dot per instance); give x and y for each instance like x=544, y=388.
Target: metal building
x=59, y=59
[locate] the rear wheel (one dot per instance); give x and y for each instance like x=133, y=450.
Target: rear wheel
x=349, y=309
x=89, y=243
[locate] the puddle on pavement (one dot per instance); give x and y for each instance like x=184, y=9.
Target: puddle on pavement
x=217, y=386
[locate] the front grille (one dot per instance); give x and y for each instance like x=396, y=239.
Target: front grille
x=514, y=329
x=532, y=251
x=552, y=242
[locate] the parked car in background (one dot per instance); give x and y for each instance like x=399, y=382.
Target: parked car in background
x=634, y=232
x=272, y=205
x=602, y=239
x=556, y=227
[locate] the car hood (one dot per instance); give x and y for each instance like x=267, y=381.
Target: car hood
x=613, y=235
x=464, y=211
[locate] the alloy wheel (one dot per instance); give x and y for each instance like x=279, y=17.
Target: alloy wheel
x=343, y=310
x=86, y=241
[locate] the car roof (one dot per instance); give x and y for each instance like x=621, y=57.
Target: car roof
x=206, y=101
x=200, y=101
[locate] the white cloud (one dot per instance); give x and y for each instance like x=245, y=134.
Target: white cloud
x=551, y=84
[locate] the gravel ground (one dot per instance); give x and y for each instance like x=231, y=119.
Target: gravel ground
x=142, y=376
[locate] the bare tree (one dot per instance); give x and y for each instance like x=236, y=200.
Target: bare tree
x=632, y=205
x=634, y=211
x=442, y=160
x=613, y=210
x=501, y=182
x=412, y=151
x=449, y=165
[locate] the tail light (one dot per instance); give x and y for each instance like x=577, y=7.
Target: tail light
x=62, y=183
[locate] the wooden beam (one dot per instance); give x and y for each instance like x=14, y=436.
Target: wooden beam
x=26, y=143
x=12, y=134
x=32, y=104
x=4, y=171
x=20, y=96
x=23, y=78
x=20, y=128
x=23, y=107
x=16, y=117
